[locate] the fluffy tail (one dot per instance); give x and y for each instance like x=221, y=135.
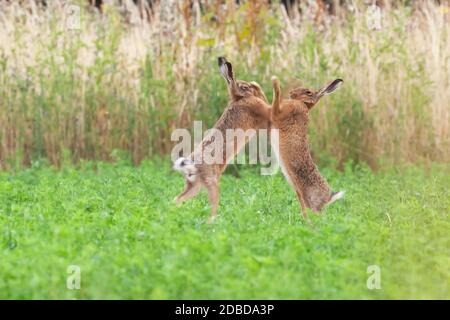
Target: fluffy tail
x=276, y=100
x=187, y=167
x=336, y=196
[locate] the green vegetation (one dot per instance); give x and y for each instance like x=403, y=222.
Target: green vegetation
x=116, y=222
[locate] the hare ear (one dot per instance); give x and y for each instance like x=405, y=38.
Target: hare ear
x=226, y=69
x=258, y=88
x=329, y=88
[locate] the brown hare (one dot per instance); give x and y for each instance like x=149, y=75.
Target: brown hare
x=291, y=117
x=247, y=109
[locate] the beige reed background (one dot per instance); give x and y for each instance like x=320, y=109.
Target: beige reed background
x=76, y=83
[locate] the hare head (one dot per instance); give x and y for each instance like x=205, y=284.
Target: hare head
x=239, y=89
x=310, y=97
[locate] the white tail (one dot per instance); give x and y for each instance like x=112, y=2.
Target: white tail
x=336, y=196
x=187, y=167
x=180, y=163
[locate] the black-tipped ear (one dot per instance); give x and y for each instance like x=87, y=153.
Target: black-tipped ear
x=330, y=87
x=230, y=70
x=226, y=69
x=221, y=60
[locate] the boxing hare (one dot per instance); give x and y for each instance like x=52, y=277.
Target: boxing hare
x=291, y=117
x=247, y=109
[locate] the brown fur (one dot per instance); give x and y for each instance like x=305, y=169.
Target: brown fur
x=248, y=109
x=291, y=117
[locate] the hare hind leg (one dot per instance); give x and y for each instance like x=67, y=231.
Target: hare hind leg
x=213, y=196
x=302, y=204
x=190, y=191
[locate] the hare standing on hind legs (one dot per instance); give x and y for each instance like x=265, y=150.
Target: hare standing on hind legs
x=248, y=109
x=291, y=117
